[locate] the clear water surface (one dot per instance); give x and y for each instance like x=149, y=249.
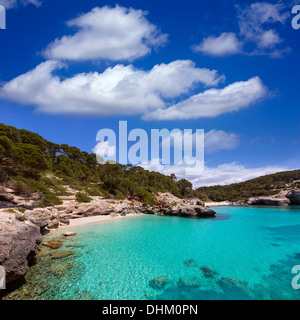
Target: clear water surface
x=244, y=253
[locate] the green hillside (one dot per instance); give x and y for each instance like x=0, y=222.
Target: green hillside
x=30, y=164
x=262, y=186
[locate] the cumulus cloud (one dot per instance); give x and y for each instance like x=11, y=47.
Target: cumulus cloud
x=216, y=140
x=225, y=44
x=8, y=4
x=223, y=174
x=108, y=33
x=105, y=152
x=256, y=21
x=257, y=27
x=214, y=102
x=118, y=90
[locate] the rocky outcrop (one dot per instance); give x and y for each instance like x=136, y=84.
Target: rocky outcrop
x=168, y=205
x=187, y=211
x=279, y=199
x=42, y=217
x=265, y=201
x=19, y=244
x=173, y=206
x=294, y=197
x=9, y=198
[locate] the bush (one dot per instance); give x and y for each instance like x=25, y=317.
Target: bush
x=22, y=189
x=49, y=199
x=82, y=197
x=3, y=175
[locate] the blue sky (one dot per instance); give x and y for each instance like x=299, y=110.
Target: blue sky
x=71, y=68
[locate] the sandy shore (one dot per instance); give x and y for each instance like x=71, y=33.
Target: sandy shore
x=218, y=204
x=95, y=219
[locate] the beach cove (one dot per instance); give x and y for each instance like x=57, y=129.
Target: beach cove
x=243, y=253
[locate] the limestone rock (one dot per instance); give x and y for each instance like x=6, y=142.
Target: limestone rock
x=19, y=244
x=54, y=244
x=69, y=234
x=294, y=197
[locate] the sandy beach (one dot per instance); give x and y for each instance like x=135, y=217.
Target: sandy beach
x=95, y=219
x=218, y=204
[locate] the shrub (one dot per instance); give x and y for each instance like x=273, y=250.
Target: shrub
x=48, y=199
x=22, y=189
x=82, y=197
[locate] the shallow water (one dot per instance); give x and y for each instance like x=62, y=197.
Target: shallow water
x=244, y=253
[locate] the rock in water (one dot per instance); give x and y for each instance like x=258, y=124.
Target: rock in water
x=69, y=234
x=192, y=283
x=159, y=283
x=294, y=197
x=190, y=263
x=62, y=254
x=228, y=282
x=53, y=244
x=207, y=272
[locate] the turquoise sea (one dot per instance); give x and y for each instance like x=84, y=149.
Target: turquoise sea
x=243, y=253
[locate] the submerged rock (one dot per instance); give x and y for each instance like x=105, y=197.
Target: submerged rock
x=74, y=245
x=61, y=269
x=54, y=244
x=192, y=283
x=190, y=263
x=62, y=254
x=229, y=282
x=207, y=272
x=159, y=283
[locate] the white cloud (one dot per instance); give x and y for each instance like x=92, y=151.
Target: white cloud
x=255, y=22
x=225, y=44
x=216, y=140
x=214, y=102
x=232, y=173
x=121, y=90
x=105, y=152
x=257, y=28
x=8, y=4
x=223, y=174
x=108, y=33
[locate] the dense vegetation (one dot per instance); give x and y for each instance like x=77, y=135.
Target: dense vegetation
x=262, y=186
x=32, y=165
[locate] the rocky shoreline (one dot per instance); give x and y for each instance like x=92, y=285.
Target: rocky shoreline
x=21, y=230
x=22, y=227
x=283, y=198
